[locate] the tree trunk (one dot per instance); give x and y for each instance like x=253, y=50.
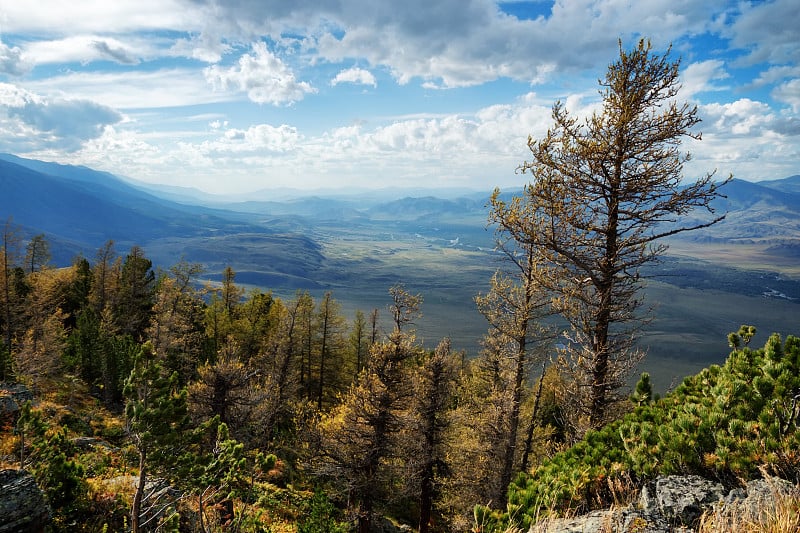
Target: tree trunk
x=426, y=499
x=529, y=437
x=136, y=508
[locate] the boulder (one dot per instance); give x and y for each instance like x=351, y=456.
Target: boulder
x=627, y=519
x=23, y=508
x=12, y=398
x=681, y=499
x=758, y=500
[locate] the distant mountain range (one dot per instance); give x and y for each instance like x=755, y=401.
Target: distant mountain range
x=79, y=209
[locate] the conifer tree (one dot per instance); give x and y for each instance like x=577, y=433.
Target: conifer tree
x=37, y=253
x=358, y=340
x=359, y=437
x=515, y=307
x=134, y=303
x=434, y=385
x=9, y=299
x=177, y=330
x=158, y=424
x=331, y=375
x=105, y=277
x=605, y=192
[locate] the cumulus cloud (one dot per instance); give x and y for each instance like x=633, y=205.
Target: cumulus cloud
x=457, y=43
x=207, y=47
x=262, y=75
x=355, y=75
x=11, y=60
x=742, y=117
x=700, y=77
x=260, y=138
x=789, y=93
x=56, y=122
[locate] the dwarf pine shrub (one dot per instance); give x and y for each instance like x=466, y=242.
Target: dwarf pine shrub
x=726, y=422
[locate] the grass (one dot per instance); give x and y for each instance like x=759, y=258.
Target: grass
x=780, y=515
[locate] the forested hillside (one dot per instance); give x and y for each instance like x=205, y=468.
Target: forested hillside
x=157, y=398
x=285, y=416
x=281, y=412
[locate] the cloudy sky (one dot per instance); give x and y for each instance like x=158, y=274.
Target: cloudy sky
x=242, y=95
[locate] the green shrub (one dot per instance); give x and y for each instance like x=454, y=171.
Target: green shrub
x=726, y=422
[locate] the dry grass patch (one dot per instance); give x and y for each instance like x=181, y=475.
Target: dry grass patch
x=779, y=513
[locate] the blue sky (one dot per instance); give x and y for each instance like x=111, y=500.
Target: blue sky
x=233, y=96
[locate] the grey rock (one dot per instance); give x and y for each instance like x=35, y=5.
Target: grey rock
x=12, y=397
x=627, y=519
x=23, y=508
x=594, y=521
x=681, y=499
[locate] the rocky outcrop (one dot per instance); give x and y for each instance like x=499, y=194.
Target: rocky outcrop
x=23, y=508
x=674, y=504
x=680, y=499
x=12, y=398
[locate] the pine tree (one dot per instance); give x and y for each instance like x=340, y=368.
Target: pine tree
x=37, y=253
x=9, y=299
x=133, y=307
x=157, y=423
x=515, y=307
x=604, y=193
x=331, y=368
x=176, y=329
x=358, y=438
x=434, y=384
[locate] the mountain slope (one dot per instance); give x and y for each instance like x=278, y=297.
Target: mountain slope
x=755, y=214
x=790, y=184
x=79, y=209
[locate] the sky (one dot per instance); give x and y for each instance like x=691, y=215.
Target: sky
x=236, y=96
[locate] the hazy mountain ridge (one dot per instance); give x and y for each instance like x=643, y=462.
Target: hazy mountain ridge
x=79, y=209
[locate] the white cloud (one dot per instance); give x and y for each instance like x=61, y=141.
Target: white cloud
x=259, y=137
x=355, y=75
x=700, y=77
x=456, y=43
x=12, y=61
x=56, y=17
x=746, y=138
x=776, y=74
x=769, y=30
x=262, y=75
x=789, y=93
x=173, y=87
x=87, y=48
x=204, y=47
x=55, y=122
x=742, y=117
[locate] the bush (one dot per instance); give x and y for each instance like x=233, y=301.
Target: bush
x=726, y=422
